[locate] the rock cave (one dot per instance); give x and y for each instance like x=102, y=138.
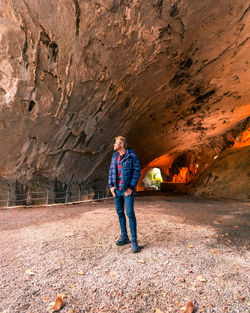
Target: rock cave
x=171, y=76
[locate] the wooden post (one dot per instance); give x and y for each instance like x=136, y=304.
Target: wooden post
x=79, y=194
x=66, y=196
x=47, y=197
x=8, y=200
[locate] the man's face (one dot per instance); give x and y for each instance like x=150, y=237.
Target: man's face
x=117, y=145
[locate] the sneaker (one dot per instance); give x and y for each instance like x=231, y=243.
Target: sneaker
x=135, y=247
x=123, y=240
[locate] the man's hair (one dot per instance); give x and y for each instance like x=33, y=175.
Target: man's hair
x=122, y=140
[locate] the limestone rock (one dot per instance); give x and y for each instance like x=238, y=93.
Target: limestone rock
x=172, y=76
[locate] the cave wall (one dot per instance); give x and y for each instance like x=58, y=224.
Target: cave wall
x=227, y=177
x=170, y=75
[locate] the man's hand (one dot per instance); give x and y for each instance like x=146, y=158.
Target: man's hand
x=128, y=192
x=112, y=190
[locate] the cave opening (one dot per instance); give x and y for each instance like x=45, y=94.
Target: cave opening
x=171, y=172
x=153, y=179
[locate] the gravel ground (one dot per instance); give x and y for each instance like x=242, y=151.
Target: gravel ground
x=193, y=250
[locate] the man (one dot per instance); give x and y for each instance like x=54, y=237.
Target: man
x=124, y=174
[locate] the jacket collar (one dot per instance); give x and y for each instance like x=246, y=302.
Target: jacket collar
x=127, y=153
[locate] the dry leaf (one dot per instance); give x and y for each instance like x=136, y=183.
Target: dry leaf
x=81, y=273
x=158, y=311
x=99, y=245
x=200, y=278
x=190, y=307
x=236, y=226
x=112, y=274
x=239, y=296
x=141, y=261
x=58, y=303
x=214, y=251
x=190, y=246
x=29, y=272
x=69, y=235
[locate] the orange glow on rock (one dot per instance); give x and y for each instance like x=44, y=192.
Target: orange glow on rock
x=182, y=177
x=243, y=140
x=164, y=162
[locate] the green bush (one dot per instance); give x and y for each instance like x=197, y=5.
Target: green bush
x=153, y=178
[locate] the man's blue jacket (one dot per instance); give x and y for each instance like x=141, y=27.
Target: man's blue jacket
x=131, y=170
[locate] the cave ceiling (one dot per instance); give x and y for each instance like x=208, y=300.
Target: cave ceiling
x=172, y=76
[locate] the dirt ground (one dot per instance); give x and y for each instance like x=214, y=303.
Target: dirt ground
x=193, y=250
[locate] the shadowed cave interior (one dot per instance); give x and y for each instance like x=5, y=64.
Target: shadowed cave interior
x=171, y=76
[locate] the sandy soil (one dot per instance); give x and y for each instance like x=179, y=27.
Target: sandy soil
x=193, y=250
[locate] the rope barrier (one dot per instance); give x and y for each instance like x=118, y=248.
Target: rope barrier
x=54, y=197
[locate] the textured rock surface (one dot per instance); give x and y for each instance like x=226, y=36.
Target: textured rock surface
x=171, y=75
x=228, y=177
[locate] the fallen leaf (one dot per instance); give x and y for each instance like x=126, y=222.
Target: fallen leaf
x=214, y=251
x=241, y=299
x=69, y=235
x=99, y=245
x=71, y=311
x=200, y=278
x=29, y=272
x=190, y=307
x=154, y=259
x=141, y=261
x=236, y=226
x=190, y=246
x=112, y=274
x=46, y=299
x=158, y=311
x=58, y=303
x=81, y=273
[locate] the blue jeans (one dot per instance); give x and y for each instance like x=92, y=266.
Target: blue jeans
x=119, y=200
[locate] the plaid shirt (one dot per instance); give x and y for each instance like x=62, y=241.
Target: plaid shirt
x=119, y=172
